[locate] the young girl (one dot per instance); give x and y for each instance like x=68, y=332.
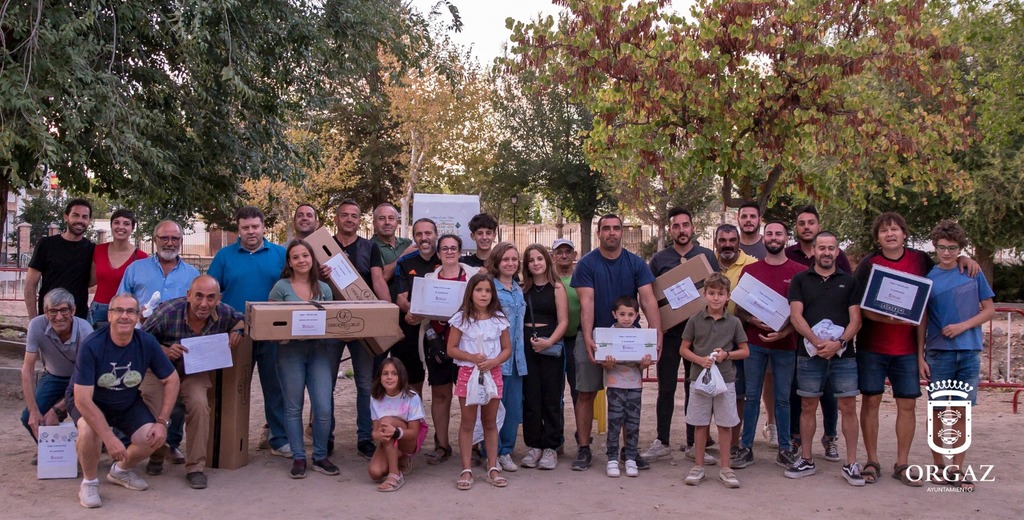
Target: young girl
x=399, y=424
x=479, y=338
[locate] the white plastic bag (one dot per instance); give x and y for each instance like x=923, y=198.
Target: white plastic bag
x=477, y=392
x=478, y=430
x=710, y=382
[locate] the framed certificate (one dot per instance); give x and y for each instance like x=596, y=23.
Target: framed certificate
x=895, y=293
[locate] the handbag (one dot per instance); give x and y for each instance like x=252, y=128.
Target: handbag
x=710, y=382
x=477, y=391
x=554, y=350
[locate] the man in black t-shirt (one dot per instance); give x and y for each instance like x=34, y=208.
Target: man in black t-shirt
x=63, y=260
x=414, y=265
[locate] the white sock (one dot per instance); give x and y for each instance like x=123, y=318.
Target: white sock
x=93, y=481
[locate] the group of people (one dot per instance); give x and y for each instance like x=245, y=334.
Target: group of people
x=525, y=326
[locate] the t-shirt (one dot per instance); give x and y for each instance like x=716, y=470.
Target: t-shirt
x=880, y=337
x=479, y=336
x=67, y=264
x=371, y=257
x=955, y=298
x=108, y=277
x=825, y=298
x=707, y=333
x=58, y=356
x=407, y=407
x=116, y=372
x=283, y=292
x=797, y=255
x=247, y=276
x=610, y=279
x=413, y=265
x=471, y=259
x=756, y=250
x=623, y=375
x=778, y=278
x=667, y=259
x=574, y=307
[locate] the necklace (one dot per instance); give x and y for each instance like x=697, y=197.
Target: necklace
x=539, y=288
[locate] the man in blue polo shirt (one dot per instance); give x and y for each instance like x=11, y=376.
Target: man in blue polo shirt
x=246, y=271
x=165, y=272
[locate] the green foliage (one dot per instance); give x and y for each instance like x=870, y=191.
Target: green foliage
x=41, y=212
x=1009, y=283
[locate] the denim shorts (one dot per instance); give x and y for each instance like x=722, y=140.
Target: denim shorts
x=958, y=365
x=873, y=368
x=812, y=373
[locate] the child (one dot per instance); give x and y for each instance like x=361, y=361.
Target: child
x=479, y=338
x=624, y=383
x=709, y=337
x=399, y=424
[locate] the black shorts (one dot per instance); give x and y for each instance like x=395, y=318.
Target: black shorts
x=127, y=421
x=440, y=374
x=408, y=351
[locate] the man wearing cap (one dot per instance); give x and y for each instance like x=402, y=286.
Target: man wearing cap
x=564, y=256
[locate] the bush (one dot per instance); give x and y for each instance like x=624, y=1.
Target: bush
x=1008, y=283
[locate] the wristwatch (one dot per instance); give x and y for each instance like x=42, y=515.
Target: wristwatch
x=843, y=343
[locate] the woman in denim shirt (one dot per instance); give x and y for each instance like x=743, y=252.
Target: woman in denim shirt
x=503, y=265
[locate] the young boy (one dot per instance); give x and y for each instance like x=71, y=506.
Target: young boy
x=713, y=336
x=483, y=229
x=623, y=386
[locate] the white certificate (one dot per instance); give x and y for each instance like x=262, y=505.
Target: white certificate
x=309, y=323
x=895, y=292
x=206, y=353
x=57, y=455
x=625, y=344
x=753, y=296
x=681, y=293
x=342, y=272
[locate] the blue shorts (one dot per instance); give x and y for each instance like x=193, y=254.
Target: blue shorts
x=128, y=421
x=812, y=373
x=958, y=365
x=873, y=368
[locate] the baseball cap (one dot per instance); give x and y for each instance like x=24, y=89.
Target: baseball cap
x=563, y=242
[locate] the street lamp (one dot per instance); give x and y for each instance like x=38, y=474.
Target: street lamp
x=515, y=200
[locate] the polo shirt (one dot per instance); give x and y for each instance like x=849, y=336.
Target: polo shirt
x=58, y=356
x=707, y=333
x=797, y=255
x=890, y=338
x=146, y=276
x=667, y=259
x=734, y=271
x=825, y=298
x=247, y=276
x=389, y=254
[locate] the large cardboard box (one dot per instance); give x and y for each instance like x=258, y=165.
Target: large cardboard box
x=680, y=292
x=309, y=320
x=436, y=299
x=228, y=446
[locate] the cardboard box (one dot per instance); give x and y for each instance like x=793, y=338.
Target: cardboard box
x=436, y=299
x=625, y=344
x=343, y=320
x=672, y=287
x=228, y=446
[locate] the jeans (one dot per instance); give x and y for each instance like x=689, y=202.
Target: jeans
x=512, y=398
x=49, y=391
x=958, y=365
x=97, y=314
x=264, y=354
x=783, y=367
x=362, y=368
x=308, y=364
x=829, y=409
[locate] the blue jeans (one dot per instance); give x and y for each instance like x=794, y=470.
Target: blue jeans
x=264, y=354
x=49, y=391
x=97, y=314
x=783, y=367
x=308, y=364
x=958, y=365
x=512, y=398
x=362, y=369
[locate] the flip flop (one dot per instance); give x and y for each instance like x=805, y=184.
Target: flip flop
x=394, y=482
x=872, y=470
x=497, y=481
x=901, y=472
x=464, y=484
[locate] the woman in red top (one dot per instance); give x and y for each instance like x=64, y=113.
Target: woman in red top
x=109, y=261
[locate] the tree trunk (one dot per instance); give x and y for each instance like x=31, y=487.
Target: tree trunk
x=5, y=186
x=586, y=234
x=986, y=257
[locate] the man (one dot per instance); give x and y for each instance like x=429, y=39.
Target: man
x=817, y=296
x=808, y=225
x=684, y=247
x=564, y=257
x=53, y=338
x=483, y=229
x=414, y=265
x=769, y=348
x=165, y=272
x=601, y=277
x=105, y=395
x=63, y=260
x=392, y=247
x=305, y=221
x=246, y=271
x=751, y=241
x=199, y=313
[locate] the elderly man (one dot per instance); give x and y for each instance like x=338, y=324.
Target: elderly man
x=563, y=253
x=63, y=260
x=392, y=247
x=199, y=313
x=53, y=338
x=105, y=395
x=165, y=272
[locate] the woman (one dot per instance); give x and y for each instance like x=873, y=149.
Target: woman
x=442, y=376
x=310, y=364
x=547, y=318
x=109, y=261
x=503, y=265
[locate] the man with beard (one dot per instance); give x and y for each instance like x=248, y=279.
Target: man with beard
x=751, y=241
x=165, y=272
x=63, y=260
x=305, y=221
x=392, y=247
x=683, y=247
x=414, y=265
x=768, y=347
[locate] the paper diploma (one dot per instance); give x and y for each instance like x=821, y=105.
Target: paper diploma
x=681, y=293
x=342, y=273
x=206, y=353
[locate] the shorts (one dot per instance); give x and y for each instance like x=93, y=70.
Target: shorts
x=956, y=365
x=873, y=368
x=722, y=407
x=813, y=372
x=440, y=374
x=589, y=376
x=421, y=437
x=128, y=421
x=463, y=380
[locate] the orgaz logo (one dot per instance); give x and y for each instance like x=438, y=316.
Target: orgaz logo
x=949, y=417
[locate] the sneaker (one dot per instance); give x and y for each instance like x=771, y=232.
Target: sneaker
x=631, y=469
x=744, y=457
x=709, y=459
x=771, y=434
x=326, y=467
x=175, y=456
x=657, y=451
x=264, y=442
x=786, y=458
x=284, y=451
x=728, y=477
x=366, y=449
x=801, y=468
x=794, y=446
x=613, y=469
x=532, y=456
x=89, y=494
x=155, y=466
x=549, y=460
x=299, y=468
x=640, y=461
x=196, y=480
x=506, y=463
x=831, y=450
x=583, y=459
x=696, y=476
x=126, y=478
x=851, y=472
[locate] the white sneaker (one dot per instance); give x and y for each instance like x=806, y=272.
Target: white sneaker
x=657, y=451
x=709, y=459
x=531, y=458
x=631, y=469
x=613, y=469
x=505, y=461
x=284, y=451
x=771, y=434
x=695, y=477
x=549, y=460
x=126, y=478
x=89, y=494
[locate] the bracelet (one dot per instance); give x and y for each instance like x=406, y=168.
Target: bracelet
x=726, y=355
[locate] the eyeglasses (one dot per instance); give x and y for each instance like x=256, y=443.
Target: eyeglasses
x=117, y=311
x=449, y=249
x=947, y=249
x=63, y=311
x=168, y=239
x=563, y=252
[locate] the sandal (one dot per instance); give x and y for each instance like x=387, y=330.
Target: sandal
x=405, y=463
x=464, y=484
x=498, y=481
x=939, y=479
x=960, y=482
x=871, y=472
x=439, y=455
x=394, y=482
x=901, y=472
